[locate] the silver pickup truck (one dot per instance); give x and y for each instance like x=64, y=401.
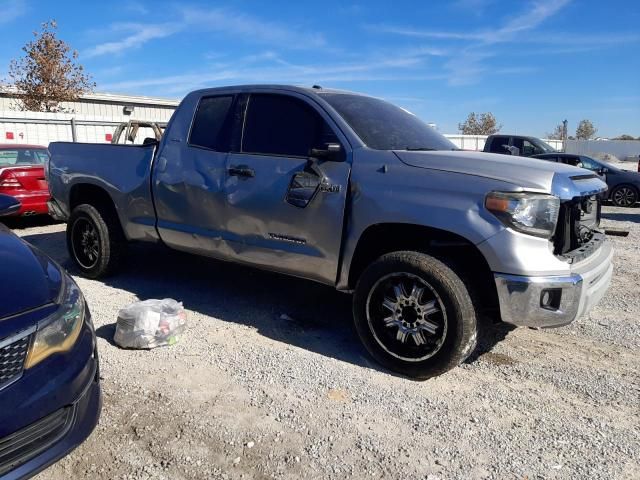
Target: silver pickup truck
x=353, y=192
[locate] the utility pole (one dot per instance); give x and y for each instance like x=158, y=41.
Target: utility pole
x=564, y=135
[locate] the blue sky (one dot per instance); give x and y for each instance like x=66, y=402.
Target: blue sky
x=531, y=63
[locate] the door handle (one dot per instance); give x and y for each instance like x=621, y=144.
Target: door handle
x=241, y=171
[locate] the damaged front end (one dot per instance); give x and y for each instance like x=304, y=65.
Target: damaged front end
x=577, y=234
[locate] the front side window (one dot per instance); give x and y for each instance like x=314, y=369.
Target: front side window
x=282, y=125
x=208, y=125
x=590, y=163
x=22, y=156
x=384, y=126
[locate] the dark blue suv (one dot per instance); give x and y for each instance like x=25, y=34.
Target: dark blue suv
x=50, y=396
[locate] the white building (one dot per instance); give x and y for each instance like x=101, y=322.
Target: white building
x=95, y=117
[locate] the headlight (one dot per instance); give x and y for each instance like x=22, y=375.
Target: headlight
x=60, y=332
x=532, y=213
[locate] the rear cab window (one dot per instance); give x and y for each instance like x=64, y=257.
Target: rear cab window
x=282, y=125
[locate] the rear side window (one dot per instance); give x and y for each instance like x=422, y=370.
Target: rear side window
x=499, y=144
x=208, y=128
x=281, y=125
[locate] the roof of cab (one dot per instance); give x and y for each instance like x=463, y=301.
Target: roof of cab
x=286, y=88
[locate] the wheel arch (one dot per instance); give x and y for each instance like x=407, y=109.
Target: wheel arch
x=455, y=250
x=95, y=195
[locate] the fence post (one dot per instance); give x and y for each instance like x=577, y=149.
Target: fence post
x=74, y=138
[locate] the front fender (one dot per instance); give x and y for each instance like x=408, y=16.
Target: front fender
x=385, y=190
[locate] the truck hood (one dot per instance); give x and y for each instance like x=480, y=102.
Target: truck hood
x=30, y=278
x=527, y=173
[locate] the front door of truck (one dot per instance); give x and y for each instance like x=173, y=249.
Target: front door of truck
x=283, y=210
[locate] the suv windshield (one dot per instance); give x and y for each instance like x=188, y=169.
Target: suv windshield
x=10, y=157
x=383, y=126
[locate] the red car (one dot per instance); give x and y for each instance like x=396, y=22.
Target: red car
x=22, y=177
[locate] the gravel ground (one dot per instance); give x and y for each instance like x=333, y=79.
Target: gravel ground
x=270, y=382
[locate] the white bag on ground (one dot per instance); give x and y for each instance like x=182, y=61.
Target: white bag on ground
x=150, y=324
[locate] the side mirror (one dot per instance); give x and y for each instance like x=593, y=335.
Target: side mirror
x=150, y=141
x=8, y=205
x=331, y=152
x=603, y=170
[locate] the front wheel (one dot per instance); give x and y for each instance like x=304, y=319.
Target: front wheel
x=95, y=240
x=414, y=314
x=624, y=196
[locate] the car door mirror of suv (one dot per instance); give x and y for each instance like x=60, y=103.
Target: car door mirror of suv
x=8, y=205
x=331, y=152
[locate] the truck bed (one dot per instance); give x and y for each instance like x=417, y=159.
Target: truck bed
x=122, y=171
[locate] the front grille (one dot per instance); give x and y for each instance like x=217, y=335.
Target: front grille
x=577, y=221
x=23, y=445
x=12, y=357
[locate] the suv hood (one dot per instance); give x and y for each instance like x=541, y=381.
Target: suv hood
x=528, y=173
x=30, y=278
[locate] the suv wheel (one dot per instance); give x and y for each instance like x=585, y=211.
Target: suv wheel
x=95, y=240
x=414, y=314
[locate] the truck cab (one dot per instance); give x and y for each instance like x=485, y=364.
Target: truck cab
x=516, y=145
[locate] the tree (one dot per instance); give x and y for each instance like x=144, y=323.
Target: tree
x=626, y=137
x=48, y=73
x=585, y=130
x=480, y=124
x=557, y=133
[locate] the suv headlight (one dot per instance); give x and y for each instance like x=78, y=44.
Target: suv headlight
x=532, y=213
x=60, y=331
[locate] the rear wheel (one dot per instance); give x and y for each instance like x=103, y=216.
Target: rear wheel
x=624, y=196
x=95, y=240
x=414, y=314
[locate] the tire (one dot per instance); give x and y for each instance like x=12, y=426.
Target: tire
x=624, y=196
x=440, y=333
x=95, y=240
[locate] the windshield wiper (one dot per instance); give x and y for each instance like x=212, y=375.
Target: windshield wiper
x=420, y=149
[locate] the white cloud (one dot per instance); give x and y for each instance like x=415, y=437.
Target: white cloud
x=467, y=65
x=245, y=27
x=529, y=20
x=12, y=9
x=250, y=28
x=137, y=34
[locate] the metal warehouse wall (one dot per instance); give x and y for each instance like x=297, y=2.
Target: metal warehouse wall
x=96, y=116
x=108, y=107
x=622, y=149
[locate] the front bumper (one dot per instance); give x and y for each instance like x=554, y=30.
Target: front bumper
x=83, y=418
x=553, y=301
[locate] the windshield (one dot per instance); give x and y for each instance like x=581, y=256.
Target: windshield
x=17, y=157
x=545, y=147
x=383, y=126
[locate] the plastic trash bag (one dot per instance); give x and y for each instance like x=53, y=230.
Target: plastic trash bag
x=150, y=324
